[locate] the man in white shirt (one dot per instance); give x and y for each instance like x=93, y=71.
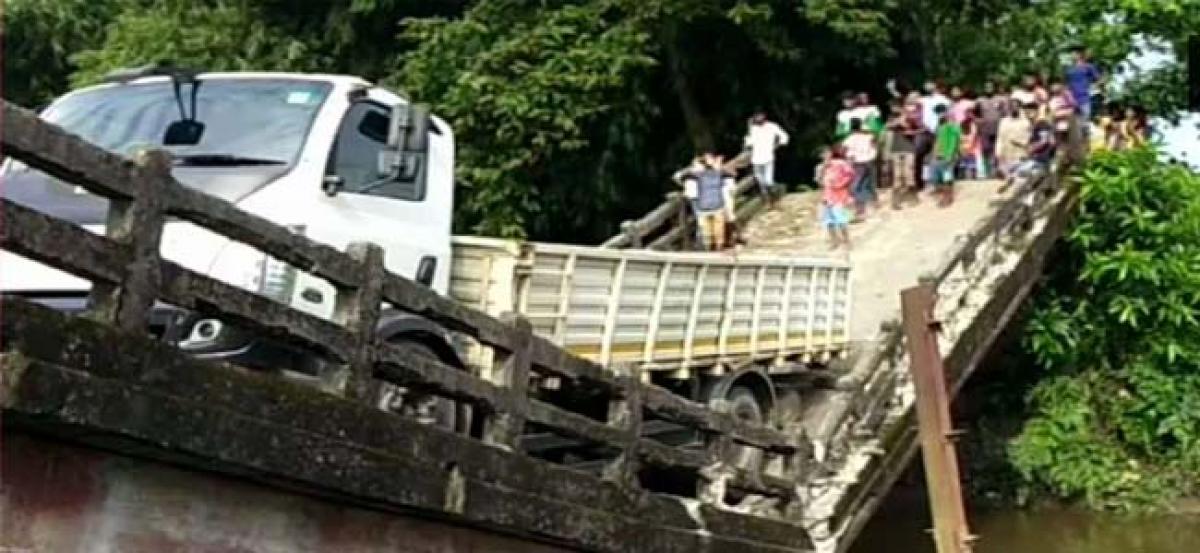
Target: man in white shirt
x=762, y=140
x=929, y=104
x=929, y=122
x=1022, y=92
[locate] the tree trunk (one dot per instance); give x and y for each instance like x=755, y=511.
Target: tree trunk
x=698, y=127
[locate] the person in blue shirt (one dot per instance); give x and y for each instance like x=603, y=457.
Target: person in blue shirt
x=1081, y=75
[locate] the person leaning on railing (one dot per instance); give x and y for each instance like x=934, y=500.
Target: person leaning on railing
x=1041, y=149
x=684, y=178
x=708, y=185
x=1012, y=139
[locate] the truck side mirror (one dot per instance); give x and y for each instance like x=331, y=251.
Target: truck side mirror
x=407, y=142
x=398, y=125
x=418, y=132
x=399, y=165
x=408, y=128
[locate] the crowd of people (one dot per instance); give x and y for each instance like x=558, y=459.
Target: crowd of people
x=928, y=140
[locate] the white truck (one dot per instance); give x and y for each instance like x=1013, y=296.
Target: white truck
x=342, y=160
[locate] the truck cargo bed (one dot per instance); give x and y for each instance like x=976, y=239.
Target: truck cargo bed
x=661, y=310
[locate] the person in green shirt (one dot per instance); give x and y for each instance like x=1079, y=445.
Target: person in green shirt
x=849, y=104
x=869, y=113
x=947, y=141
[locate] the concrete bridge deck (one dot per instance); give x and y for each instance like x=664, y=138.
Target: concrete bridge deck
x=891, y=248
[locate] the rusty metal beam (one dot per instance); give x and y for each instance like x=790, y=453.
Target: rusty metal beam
x=950, y=529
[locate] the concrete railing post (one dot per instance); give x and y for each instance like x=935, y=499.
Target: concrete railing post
x=505, y=426
x=633, y=233
x=358, y=309
x=137, y=224
x=684, y=222
x=625, y=414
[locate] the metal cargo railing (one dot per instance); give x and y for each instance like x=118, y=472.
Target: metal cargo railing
x=661, y=310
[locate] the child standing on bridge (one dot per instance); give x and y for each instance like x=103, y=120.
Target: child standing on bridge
x=946, y=146
x=836, y=178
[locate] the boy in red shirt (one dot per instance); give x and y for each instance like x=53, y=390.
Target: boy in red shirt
x=836, y=202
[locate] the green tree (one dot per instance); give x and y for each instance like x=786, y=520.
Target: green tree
x=213, y=36
x=39, y=37
x=331, y=36
x=530, y=93
x=1117, y=330
x=1111, y=29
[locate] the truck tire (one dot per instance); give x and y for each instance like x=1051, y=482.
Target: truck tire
x=429, y=409
x=745, y=406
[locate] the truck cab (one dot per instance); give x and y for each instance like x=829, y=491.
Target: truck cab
x=317, y=154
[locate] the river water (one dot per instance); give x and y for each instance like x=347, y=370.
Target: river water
x=901, y=527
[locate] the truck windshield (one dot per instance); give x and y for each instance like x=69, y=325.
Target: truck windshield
x=250, y=119
x=254, y=130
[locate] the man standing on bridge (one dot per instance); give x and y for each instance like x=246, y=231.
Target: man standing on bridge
x=712, y=193
x=1081, y=76
x=930, y=102
x=900, y=148
x=763, y=139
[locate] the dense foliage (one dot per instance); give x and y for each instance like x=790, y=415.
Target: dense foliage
x=1115, y=419
x=40, y=36
x=570, y=112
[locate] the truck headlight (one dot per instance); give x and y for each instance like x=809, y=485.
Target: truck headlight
x=276, y=280
x=246, y=267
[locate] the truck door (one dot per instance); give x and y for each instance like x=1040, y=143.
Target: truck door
x=409, y=219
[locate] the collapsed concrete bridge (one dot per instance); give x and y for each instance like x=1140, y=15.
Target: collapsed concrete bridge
x=117, y=441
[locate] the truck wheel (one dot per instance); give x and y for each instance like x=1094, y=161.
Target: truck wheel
x=428, y=409
x=745, y=406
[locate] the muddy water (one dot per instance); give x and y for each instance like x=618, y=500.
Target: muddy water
x=900, y=527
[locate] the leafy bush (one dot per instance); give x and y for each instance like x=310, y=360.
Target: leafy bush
x=1116, y=421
